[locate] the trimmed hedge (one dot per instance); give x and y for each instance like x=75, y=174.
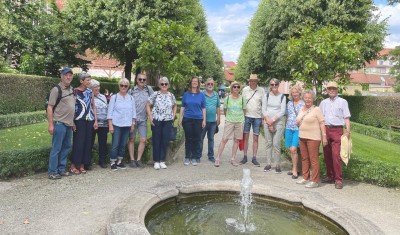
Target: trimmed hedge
x=24, y=93
x=378, y=133
x=23, y=162
x=377, y=111
x=20, y=119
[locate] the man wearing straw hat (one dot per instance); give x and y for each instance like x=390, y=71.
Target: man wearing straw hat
x=337, y=115
x=253, y=94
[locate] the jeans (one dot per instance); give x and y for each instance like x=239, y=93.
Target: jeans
x=82, y=143
x=274, y=142
x=118, y=144
x=102, y=133
x=192, y=128
x=61, y=145
x=210, y=131
x=255, y=122
x=160, y=138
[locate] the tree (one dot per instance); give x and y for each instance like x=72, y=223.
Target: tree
x=208, y=58
x=276, y=21
x=167, y=48
x=115, y=27
x=322, y=55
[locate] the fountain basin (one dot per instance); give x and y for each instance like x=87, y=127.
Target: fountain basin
x=129, y=216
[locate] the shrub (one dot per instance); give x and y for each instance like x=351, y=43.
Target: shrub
x=357, y=93
x=20, y=119
x=378, y=133
x=381, y=112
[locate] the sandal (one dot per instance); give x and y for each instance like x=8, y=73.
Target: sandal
x=216, y=163
x=234, y=163
x=82, y=169
x=74, y=171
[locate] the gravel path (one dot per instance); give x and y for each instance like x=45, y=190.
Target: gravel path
x=83, y=204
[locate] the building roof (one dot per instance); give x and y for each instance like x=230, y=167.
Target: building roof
x=374, y=63
x=371, y=78
x=229, y=64
x=229, y=75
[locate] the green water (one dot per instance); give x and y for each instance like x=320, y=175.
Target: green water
x=206, y=213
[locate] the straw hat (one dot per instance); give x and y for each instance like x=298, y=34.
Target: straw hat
x=253, y=77
x=332, y=84
x=345, y=149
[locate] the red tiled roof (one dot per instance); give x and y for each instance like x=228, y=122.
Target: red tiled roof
x=230, y=64
x=101, y=61
x=371, y=78
x=383, y=52
x=229, y=76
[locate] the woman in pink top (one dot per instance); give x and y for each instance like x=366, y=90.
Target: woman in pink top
x=311, y=124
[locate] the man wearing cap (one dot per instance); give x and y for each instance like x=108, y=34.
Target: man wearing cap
x=253, y=94
x=60, y=116
x=337, y=115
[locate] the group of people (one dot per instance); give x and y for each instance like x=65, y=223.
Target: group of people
x=82, y=113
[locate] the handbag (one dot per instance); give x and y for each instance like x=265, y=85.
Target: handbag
x=241, y=143
x=173, y=134
x=216, y=130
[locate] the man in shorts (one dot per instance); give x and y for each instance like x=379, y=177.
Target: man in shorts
x=253, y=95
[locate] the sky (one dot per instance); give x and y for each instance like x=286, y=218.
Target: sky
x=228, y=22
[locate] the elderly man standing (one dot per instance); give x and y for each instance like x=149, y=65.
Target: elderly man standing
x=212, y=117
x=60, y=115
x=253, y=118
x=141, y=93
x=337, y=115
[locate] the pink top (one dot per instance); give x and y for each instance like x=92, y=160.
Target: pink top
x=310, y=125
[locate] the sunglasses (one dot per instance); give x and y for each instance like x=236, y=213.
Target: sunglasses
x=163, y=84
x=141, y=79
x=124, y=86
x=210, y=84
x=236, y=87
x=273, y=84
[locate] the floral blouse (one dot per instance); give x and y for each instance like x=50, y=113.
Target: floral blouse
x=162, y=106
x=292, y=112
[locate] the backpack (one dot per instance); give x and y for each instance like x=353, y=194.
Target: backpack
x=59, y=97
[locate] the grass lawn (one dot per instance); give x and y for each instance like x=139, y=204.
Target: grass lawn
x=375, y=149
x=36, y=135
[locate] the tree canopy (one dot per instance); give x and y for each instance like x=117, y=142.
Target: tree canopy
x=276, y=21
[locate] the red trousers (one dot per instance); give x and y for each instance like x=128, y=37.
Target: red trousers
x=309, y=158
x=333, y=161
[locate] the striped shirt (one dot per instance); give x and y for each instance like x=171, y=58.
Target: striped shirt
x=141, y=97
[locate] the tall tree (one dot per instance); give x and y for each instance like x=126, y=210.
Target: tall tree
x=275, y=21
x=115, y=27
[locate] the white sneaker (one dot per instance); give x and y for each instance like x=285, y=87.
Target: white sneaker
x=157, y=165
x=162, y=165
x=302, y=181
x=312, y=185
x=194, y=162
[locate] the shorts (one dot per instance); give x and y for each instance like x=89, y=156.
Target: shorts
x=255, y=122
x=141, y=127
x=291, y=138
x=233, y=129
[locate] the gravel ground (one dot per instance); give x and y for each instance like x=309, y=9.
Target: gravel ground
x=83, y=204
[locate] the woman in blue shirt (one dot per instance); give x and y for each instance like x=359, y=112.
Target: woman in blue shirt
x=193, y=118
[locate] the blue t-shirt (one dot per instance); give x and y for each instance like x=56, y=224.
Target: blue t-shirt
x=212, y=103
x=194, y=103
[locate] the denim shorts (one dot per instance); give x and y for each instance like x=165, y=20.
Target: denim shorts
x=255, y=122
x=291, y=138
x=141, y=127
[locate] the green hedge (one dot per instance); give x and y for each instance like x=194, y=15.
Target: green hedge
x=20, y=119
x=376, y=111
x=23, y=162
x=23, y=93
x=378, y=133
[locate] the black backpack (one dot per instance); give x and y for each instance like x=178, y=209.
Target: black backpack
x=59, y=97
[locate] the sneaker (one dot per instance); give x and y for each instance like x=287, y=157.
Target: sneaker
x=254, y=161
x=132, y=164
x=311, y=184
x=162, y=165
x=267, y=168
x=157, y=165
x=194, y=162
x=243, y=161
x=302, y=181
x=139, y=164
x=338, y=184
x=121, y=166
x=114, y=167
x=54, y=176
x=211, y=159
x=64, y=173
x=186, y=162
x=278, y=170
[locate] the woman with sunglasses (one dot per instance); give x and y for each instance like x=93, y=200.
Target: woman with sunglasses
x=161, y=110
x=234, y=109
x=121, y=120
x=193, y=119
x=273, y=109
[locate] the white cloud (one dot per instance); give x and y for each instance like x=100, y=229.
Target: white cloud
x=392, y=13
